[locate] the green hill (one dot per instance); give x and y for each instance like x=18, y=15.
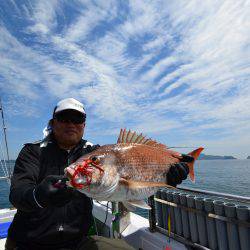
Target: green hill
x=216, y=157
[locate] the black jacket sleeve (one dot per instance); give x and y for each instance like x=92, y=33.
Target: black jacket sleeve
x=24, y=179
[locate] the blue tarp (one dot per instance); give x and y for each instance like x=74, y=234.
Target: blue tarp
x=4, y=229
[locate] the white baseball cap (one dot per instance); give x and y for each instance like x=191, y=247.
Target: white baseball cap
x=69, y=103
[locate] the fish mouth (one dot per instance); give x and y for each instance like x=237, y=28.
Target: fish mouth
x=82, y=175
x=77, y=180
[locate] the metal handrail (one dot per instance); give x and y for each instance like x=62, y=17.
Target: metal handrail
x=217, y=194
x=4, y=177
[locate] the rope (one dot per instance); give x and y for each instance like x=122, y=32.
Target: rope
x=168, y=224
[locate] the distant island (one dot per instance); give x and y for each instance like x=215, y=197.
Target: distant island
x=248, y=157
x=216, y=157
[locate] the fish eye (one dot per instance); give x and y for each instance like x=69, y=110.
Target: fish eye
x=95, y=159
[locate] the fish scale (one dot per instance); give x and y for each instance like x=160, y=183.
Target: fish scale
x=143, y=162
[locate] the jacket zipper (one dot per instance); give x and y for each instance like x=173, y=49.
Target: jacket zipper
x=61, y=227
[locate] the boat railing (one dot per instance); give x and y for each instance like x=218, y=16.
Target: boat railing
x=202, y=219
x=4, y=178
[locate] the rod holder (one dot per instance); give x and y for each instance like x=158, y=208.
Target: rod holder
x=192, y=219
x=201, y=221
x=243, y=213
x=152, y=214
x=159, y=217
x=221, y=226
x=170, y=199
x=232, y=229
x=184, y=216
x=177, y=213
x=164, y=209
x=211, y=226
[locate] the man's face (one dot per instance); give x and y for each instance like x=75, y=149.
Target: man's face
x=68, y=128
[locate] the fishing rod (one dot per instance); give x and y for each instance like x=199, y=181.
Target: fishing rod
x=183, y=147
x=5, y=137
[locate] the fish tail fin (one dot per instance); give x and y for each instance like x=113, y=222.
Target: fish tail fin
x=194, y=154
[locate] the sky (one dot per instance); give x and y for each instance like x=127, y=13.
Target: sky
x=177, y=71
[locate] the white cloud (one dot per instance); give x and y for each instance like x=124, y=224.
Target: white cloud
x=159, y=68
x=43, y=16
x=91, y=14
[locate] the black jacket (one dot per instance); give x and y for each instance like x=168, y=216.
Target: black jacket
x=53, y=226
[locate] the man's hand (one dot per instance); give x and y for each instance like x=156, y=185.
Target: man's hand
x=179, y=171
x=52, y=192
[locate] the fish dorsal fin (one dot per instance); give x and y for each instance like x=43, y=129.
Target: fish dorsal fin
x=129, y=207
x=133, y=137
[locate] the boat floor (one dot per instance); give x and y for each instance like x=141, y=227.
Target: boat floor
x=136, y=234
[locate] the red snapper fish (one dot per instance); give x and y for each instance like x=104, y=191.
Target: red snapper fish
x=129, y=171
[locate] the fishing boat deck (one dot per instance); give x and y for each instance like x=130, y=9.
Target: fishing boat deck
x=6, y=216
x=137, y=234
x=2, y=242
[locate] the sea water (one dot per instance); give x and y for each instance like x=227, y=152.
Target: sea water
x=225, y=176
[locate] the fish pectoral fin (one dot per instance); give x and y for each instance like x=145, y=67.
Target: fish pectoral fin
x=138, y=203
x=142, y=184
x=129, y=206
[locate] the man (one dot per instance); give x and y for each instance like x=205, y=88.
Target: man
x=51, y=215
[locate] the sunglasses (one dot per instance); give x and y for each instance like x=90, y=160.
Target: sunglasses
x=66, y=118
